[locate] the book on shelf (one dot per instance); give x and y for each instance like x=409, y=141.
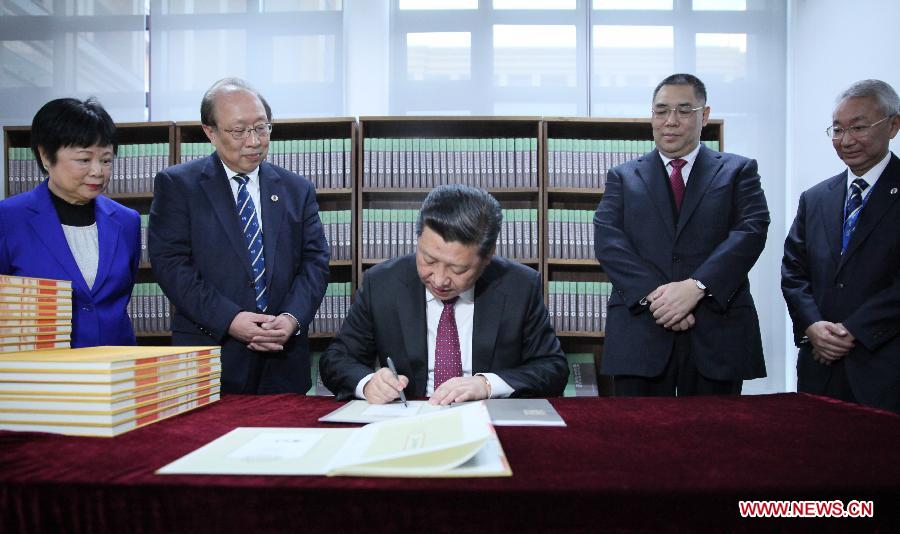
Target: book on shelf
x=452, y=443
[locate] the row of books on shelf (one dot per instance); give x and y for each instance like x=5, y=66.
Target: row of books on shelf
x=578, y=306
x=570, y=234
x=149, y=309
x=337, y=226
x=135, y=166
x=426, y=163
x=583, y=163
x=388, y=233
x=24, y=173
x=326, y=162
x=104, y=391
x=333, y=309
x=35, y=313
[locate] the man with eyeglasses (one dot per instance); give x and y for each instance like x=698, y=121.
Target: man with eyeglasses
x=237, y=245
x=677, y=231
x=841, y=269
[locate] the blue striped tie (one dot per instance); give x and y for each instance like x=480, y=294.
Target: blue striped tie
x=851, y=211
x=253, y=235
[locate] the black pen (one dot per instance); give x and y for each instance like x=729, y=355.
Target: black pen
x=394, y=370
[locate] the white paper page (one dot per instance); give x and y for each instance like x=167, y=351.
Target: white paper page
x=377, y=411
x=272, y=446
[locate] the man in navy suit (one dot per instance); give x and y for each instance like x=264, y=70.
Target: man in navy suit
x=677, y=231
x=841, y=269
x=237, y=245
x=459, y=322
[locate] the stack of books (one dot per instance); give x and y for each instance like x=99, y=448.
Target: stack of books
x=104, y=391
x=34, y=313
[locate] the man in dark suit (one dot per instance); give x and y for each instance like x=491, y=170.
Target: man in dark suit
x=677, y=231
x=458, y=322
x=841, y=269
x=237, y=246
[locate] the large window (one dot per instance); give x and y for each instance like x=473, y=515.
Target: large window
x=152, y=59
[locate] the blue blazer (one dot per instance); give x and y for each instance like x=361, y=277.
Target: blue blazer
x=32, y=243
x=860, y=289
x=716, y=238
x=200, y=260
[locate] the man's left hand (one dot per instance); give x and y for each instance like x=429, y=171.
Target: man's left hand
x=278, y=331
x=460, y=389
x=672, y=302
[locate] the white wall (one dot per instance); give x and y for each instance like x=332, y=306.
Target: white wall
x=831, y=44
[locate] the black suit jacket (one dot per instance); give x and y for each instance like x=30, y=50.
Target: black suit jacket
x=717, y=237
x=200, y=260
x=511, y=336
x=860, y=289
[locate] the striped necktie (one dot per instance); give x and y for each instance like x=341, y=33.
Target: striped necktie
x=851, y=211
x=253, y=235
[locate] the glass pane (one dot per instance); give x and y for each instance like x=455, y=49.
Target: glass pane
x=633, y=4
x=109, y=62
x=632, y=56
x=720, y=5
x=31, y=8
x=547, y=109
x=282, y=6
x=534, y=4
x=105, y=7
x=722, y=55
x=439, y=56
x=26, y=64
x=438, y=4
x=534, y=56
x=181, y=7
x=303, y=58
x=189, y=64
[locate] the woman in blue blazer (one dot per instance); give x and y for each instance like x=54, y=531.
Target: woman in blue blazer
x=66, y=230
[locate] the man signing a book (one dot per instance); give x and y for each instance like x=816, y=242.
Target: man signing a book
x=459, y=323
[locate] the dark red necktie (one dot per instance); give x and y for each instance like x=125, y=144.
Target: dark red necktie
x=447, y=356
x=676, y=180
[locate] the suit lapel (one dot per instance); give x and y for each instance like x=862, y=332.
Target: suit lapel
x=703, y=173
x=651, y=171
x=412, y=315
x=215, y=184
x=831, y=215
x=45, y=224
x=271, y=199
x=108, y=232
x=489, y=304
x=879, y=202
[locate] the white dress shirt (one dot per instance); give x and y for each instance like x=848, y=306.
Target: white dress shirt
x=464, y=312
x=690, y=158
x=870, y=177
x=252, y=188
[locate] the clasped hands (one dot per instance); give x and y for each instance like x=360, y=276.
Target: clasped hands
x=384, y=388
x=262, y=332
x=830, y=341
x=672, y=304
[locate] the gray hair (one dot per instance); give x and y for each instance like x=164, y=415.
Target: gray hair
x=462, y=214
x=884, y=95
x=227, y=85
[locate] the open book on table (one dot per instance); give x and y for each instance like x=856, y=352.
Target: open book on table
x=447, y=443
x=503, y=412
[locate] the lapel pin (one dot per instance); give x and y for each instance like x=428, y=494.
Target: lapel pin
x=894, y=191
x=274, y=198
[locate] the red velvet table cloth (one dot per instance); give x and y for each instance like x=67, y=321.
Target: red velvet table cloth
x=621, y=464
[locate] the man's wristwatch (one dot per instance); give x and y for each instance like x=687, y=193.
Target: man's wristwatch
x=702, y=287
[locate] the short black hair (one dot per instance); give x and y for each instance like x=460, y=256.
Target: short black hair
x=207, y=104
x=69, y=122
x=684, y=79
x=462, y=214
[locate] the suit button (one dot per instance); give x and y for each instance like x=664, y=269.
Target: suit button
x=675, y=259
x=87, y=307
x=840, y=285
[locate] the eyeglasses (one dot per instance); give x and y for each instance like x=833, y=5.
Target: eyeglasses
x=857, y=131
x=684, y=112
x=261, y=130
